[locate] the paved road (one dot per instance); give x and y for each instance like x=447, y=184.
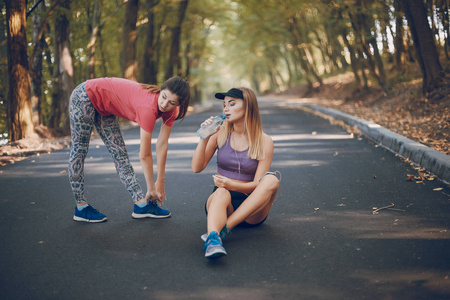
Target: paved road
x=321, y=240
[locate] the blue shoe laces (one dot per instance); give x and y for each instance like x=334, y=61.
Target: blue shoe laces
x=225, y=230
x=90, y=212
x=213, y=239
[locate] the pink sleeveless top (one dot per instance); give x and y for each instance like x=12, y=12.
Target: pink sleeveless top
x=235, y=164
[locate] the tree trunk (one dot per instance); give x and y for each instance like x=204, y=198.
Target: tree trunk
x=354, y=61
x=367, y=38
x=424, y=43
x=36, y=64
x=288, y=67
x=64, y=84
x=129, y=63
x=149, y=70
x=311, y=65
x=443, y=11
x=300, y=53
x=95, y=33
x=399, y=58
x=187, y=58
x=103, y=66
x=19, y=108
x=174, y=58
x=362, y=64
x=3, y=73
x=157, y=42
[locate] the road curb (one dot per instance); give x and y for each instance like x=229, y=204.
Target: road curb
x=432, y=160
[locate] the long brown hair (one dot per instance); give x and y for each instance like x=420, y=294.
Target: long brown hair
x=177, y=86
x=252, y=123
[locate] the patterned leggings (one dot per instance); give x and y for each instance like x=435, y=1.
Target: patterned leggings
x=83, y=118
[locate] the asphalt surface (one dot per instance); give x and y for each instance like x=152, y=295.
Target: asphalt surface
x=321, y=240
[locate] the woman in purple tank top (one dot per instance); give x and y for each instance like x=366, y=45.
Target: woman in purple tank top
x=242, y=195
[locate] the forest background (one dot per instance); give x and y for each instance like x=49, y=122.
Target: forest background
x=292, y=48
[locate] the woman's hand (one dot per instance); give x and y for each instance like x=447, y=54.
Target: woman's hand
x=151, y=196
x=209, y=121
x=160, y=192
x=221, y=181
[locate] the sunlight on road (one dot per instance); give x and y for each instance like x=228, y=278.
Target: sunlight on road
x=190, y=139
x=365, y=225
x=193, y=139
x=435, y=281
x=293, y=137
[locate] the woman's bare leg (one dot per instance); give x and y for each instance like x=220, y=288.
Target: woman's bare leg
x=257, y=206
x=218, y=205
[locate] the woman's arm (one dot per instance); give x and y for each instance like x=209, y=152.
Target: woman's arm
x=145, y=156
x=162, y=145
x=263, y=167
x=203, y=153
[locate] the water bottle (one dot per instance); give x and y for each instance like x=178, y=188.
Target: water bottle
x=207, y=130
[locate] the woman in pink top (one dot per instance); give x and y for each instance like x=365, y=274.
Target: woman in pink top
x=98, y=103
x=243, y=194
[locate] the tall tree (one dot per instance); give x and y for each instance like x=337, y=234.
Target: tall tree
x=95, y=33
x=3, y=72
x=64, y=82
x=36, y=63
x=129, y=37
x=150, y=68
x=175, y=55
x=445, y=23
x=426, y=52
x=19, y=105
x=365, y=35
x=399, y=57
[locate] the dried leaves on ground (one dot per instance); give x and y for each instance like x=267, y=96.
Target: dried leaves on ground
x=404, y=110
x=43, y=142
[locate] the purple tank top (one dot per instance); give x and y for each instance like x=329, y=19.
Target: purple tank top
x=228, y=161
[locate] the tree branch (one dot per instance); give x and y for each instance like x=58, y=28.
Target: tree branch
x=33, y=8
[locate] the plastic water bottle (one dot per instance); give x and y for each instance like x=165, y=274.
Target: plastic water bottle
x=207, y=130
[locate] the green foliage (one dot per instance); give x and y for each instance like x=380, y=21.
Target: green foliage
x=264, y=44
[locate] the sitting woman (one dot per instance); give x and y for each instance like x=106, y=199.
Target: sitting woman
x=243, y=194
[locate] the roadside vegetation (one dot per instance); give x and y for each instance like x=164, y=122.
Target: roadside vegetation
x=393, y=55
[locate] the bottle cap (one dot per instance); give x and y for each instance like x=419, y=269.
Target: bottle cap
x=223, y=116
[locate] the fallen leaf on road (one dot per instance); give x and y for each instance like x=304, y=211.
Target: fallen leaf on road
x=376, y=210
x=438, y=189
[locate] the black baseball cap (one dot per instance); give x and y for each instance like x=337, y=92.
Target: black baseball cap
x=233, y=93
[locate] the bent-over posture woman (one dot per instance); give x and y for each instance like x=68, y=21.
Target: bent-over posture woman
x=98, y=103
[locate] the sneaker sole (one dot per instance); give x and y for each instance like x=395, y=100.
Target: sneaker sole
x=204, y=237
x=216, y=254
x=142, y=216
x=79, y=219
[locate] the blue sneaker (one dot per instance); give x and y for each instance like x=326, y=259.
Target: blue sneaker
x=213, y=246
x=223, y=233
x=151, y=210
x=89, y=214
